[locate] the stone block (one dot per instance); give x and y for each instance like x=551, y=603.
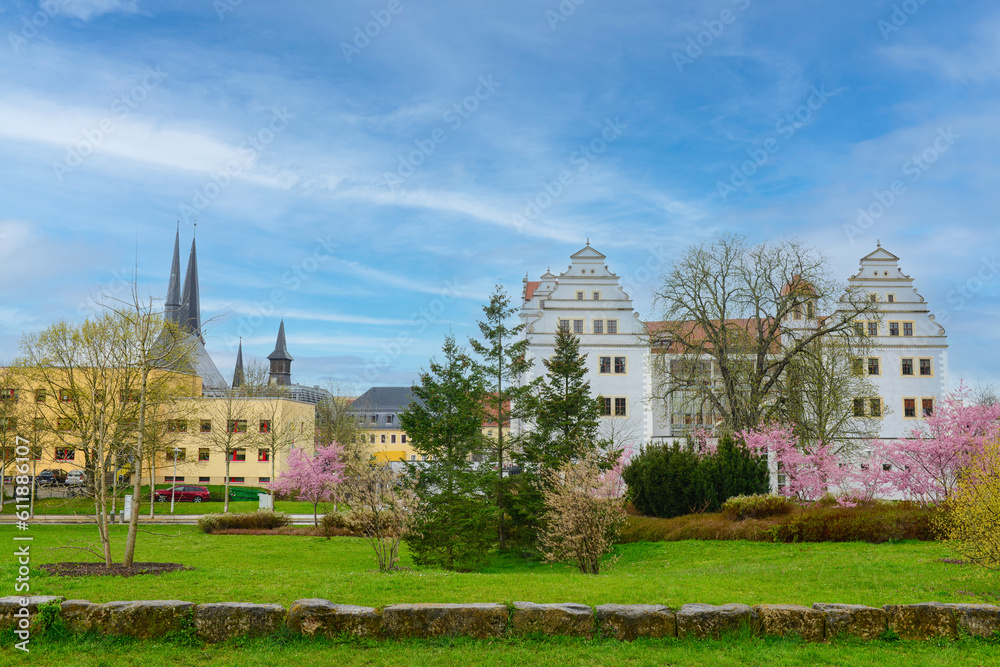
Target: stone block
x=445, y=620
x=220, y=621
x=922, y=621
x=326, y=619
x=854, y=620
x=11, y=605
x=631, y=621
x=574, y=620
x=141, y=619
x=78, y=615
x=707, y=620
x=979, y=620
x=784, y=620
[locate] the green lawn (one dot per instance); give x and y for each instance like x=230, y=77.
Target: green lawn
x=70, y=506
x=281, y=569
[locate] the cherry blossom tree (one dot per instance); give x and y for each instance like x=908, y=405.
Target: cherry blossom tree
x=312, y=476
x=808, y=474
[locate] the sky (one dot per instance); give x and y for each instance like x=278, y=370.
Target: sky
x=370, y=170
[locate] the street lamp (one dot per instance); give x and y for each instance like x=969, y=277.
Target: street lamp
x=173, y=489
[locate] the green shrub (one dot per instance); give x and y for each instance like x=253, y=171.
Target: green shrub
x=259, y=520
x=757, y=506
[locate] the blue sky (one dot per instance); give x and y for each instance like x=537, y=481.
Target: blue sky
x=369, y=170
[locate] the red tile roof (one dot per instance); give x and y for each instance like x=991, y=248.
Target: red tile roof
x=529, y=289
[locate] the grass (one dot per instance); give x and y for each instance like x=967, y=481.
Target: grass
x=263, y=568
x=730, y=651
x=85, y=506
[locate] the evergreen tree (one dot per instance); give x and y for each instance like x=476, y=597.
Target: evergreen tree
x=455, y=526
x=504, y=362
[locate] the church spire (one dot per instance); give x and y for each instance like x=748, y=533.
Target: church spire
x=172, y=306
x=190, y=313
x=238, y=374
x=281, y=361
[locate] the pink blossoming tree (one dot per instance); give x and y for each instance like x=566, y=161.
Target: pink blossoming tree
x=808, y=474
x=312, y=476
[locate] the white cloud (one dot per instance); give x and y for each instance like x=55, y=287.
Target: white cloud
x=88, y=9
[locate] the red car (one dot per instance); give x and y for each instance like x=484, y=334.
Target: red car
x=195, y=494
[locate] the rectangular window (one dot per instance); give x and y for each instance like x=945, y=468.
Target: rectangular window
x=620, y=406
x=907, y=328
x=619, y=365
x=873, y=298
x=371, y=439
x=374, y=419
x=909, y=407
x=388, y=419
x=206, y=425
x=403, y=439
x=925, y=367
x=857, y=365
x=873, y=328
x=596, y=296
x=168, y=478
x=598, y=326
x=578, y=326
x=606, y=407
x=605, y=364
x=564, y=325
x=891, y=298
x=893, y=328
x=177, y=426
x=263, y=455
x=65, y=454
x=579, y=296
x=907, y=366
x=130, y=396
x=265, y=425
x=612, y=326
x=927, y=407
x=236, y=480
x=859, y=407
x=263, y=480
x=203, y=453
x=8, y=424
x=383, y=439
x=238, y=455
x=859, y=328
x=65, y=396
x=8, y=394
x=392, y=439
x=179, y=455
x=204, y=479
x=873, y=366
x=237, y=425
x=40, y=396
x=875, y=405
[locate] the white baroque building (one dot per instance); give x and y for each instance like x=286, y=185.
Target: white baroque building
x=909, y=366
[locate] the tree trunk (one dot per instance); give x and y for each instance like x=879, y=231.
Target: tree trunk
x=133, y=518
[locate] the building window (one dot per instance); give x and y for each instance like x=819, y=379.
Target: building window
x=605, y=364
x=238, y=455
x=65, y=454
x=179, y=455
x=237, y=425
x=265, y=425
x=873, y=328
x=168, y=478
x=579, y=296
x=907, y=328
x=177, y=426
x=392, y=439
x=65, y=396
x=413, y=457
x=403, y=439
x=620, y=406
x=619, y=365
x=910, y=407
x=371, y=439
x=236, y=480
x=263, y=455
x=875, y=405
x=40, y=396
x=873, y=298
x=606, y=407
x=907, y=366
x=130, y=396
x=203, y=453
x=859, y=328
x=383, y=438
x=927, y=407
x=388, y=419
x=263, y=480
x=857, y=365
x=578, y=326
x=893, y=328
x=374, y=419
x=859, y=407
x=597, y=296
x=873, y=366
x=797, y=311
x=598, y=326
x=8, y=424
x=612, y=326
x=925, y=367
x=206, y=425
x=205, y=479
x=40, y=423
x=564, y=325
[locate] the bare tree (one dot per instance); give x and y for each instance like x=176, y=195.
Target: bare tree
x=338, y=420
x=736, y=316
x=383, y=505
x=231, y=415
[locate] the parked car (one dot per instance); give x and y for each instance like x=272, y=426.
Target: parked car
x=51, y=477
x=76, y=478
x=195, y=494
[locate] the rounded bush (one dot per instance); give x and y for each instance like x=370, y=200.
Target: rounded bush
x=757, y=506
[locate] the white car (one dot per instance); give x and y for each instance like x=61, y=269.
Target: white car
x=76, y=477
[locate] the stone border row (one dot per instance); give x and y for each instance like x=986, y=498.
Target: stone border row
x=314, y=617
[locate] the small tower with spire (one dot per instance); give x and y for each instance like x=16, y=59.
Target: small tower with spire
x=190, y=311
x=281, y=361
x=238, y=373
x=172, y=306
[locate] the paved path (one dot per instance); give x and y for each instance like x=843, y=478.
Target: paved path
x=166, y=518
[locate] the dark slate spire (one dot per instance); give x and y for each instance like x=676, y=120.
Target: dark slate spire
x=172, y=306
x=238, y=375
x=191, y=303
x=281, y=361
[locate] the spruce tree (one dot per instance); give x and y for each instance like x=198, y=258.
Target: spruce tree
x=504, y=362
x=455, y=526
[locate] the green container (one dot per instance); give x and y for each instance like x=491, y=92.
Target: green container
x=244, y=494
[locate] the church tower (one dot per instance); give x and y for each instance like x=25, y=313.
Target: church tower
x=238, y=373
x=281, y=361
